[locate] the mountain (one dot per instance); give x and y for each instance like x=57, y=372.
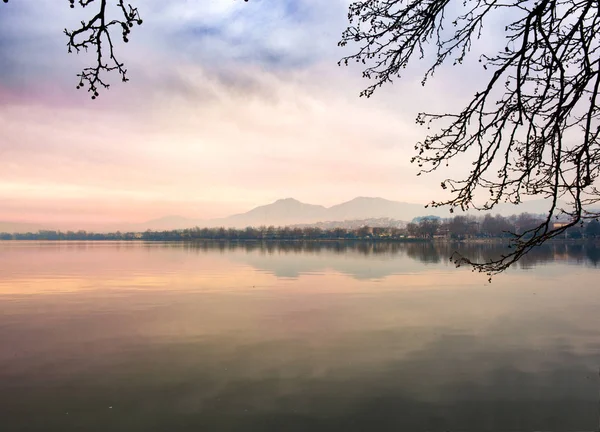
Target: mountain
x=290, y=211
x=287, y=211
x=356, y=223
x=372, y=208
x=293, y=212
x=534, y=206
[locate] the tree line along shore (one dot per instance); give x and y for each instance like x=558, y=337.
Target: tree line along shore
x=421, y=229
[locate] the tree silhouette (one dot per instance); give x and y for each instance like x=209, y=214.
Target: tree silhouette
x=95, y=34
x=532, y=130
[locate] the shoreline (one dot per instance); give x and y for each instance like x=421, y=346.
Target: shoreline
x=338, y=240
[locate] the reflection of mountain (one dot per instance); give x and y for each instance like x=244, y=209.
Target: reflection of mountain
x=360, y=266
x=364, y=260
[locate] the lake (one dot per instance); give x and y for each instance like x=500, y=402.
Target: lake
x=296, y=337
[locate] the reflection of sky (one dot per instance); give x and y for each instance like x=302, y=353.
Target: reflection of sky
x=191, y=339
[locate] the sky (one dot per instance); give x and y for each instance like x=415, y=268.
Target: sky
x=230, y=105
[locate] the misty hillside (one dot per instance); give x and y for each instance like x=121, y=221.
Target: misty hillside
x=371, y=208
x=290, y=211
x=287, y=211
x=356, y=223
x=293, y=212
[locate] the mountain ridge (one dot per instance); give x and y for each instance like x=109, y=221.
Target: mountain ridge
x=290, y=211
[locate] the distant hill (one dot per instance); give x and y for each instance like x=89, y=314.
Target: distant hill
x=287, y=211
x=290, y=211
x=356, y=223
x=370, y=208
x=293, y=212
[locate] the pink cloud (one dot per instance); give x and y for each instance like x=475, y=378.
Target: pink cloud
x=195, y=145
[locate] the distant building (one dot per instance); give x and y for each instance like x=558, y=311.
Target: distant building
x=557, y=225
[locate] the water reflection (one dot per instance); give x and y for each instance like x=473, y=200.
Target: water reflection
x=362, y=260
x=291, y=259
x=426, y=252
x=295, y=337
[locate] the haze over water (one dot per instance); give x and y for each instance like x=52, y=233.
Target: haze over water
x=293, y=337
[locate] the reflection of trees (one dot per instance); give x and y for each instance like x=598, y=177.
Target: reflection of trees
x=425, y=252
x=593, y=254
x=547, y=252
x=277, y=247
x=581, y=253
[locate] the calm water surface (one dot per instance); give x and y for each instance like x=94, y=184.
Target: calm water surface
x=209, y=337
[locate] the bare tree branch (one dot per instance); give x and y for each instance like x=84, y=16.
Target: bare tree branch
x=95, y=34
x=531, y=131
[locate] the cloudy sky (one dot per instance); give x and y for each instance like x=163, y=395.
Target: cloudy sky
x=230, y=105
